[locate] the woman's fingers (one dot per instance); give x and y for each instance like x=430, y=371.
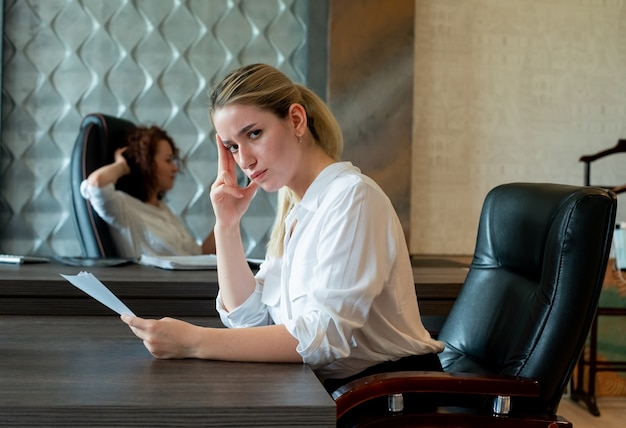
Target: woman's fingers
x=222, y=161
x=138, y=325
x=117, y=155
x=251, y=189
x=229, y=199
x=128, y=319
x=146, y=331
x=164, y=338
x=226, y=163
x=221, y=188
x=226, y=181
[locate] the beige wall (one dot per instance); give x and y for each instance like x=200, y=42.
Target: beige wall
x=510, y=90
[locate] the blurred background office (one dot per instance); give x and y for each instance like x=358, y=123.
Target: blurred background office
x=440, y=100
x=151, y=62
x=154, y=62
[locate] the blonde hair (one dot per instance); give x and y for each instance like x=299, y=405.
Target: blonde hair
x=266, y=87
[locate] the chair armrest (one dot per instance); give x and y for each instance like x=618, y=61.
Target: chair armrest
x=379, y=385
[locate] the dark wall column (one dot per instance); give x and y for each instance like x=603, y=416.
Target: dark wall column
x=370, y=90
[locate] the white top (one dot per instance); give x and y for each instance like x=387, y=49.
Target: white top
x=140, y=228
x=344, y=287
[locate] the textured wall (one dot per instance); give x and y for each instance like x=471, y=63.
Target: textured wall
x=510, y=90
x=151, y=62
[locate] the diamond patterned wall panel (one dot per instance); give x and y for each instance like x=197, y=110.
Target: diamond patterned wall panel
x=149, y=61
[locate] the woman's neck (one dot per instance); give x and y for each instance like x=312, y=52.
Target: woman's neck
x=317, y=161
x=153, y=200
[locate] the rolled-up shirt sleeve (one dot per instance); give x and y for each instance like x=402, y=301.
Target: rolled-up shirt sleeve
x=251, y=313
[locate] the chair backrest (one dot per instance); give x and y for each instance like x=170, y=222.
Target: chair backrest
x=533, y=286
x=99, y=136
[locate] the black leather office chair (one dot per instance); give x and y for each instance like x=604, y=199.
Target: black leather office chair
x=99, y=136
x=519, y=323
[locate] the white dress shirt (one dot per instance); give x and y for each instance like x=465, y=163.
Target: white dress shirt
x=140, y=228
x=344, y=287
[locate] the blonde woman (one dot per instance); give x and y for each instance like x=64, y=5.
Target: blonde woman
x=336, y=289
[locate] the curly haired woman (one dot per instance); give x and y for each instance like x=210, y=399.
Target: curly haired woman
x=128, y=194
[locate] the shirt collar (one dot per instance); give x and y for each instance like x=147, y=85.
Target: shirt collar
x=310, y=201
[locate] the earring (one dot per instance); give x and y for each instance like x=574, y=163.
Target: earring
x=299, y=138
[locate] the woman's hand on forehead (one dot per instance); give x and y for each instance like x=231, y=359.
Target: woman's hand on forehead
x=226, y=167
x=230, y=201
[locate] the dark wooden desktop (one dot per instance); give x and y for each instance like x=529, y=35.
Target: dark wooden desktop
x=66, y=360
x=91, y=371
x=39, y=289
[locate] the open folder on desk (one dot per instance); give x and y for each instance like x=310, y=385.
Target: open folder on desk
x=200, y=262
x=203, y=261
x=91, y=285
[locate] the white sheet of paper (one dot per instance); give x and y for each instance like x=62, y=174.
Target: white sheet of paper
x=88, y=283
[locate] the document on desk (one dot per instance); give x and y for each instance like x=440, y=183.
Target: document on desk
x=91, y=285
x=199, y=262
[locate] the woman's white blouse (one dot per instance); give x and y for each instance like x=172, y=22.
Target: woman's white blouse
x=140, y=228
x=344, y=287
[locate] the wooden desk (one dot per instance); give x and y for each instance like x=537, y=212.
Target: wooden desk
x=91, y=371
x=38, y=289
x=59, y=367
